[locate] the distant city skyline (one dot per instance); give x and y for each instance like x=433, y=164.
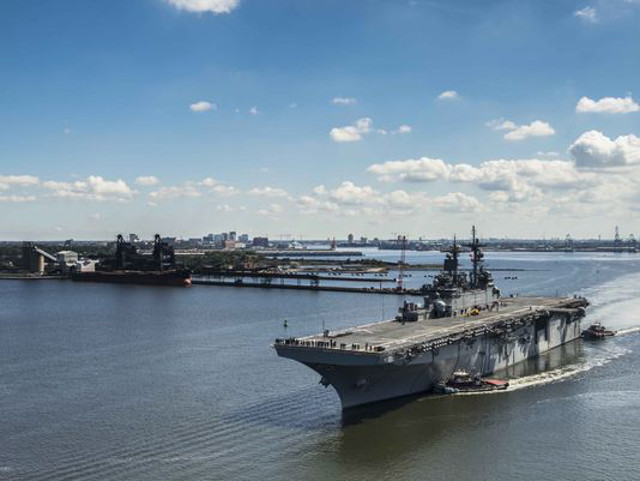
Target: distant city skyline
x=319, y=119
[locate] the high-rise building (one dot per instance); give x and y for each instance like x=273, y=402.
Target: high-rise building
x=350, y=238
x=260, y=242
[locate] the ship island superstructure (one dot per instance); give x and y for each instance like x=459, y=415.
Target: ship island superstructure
x=464, y=323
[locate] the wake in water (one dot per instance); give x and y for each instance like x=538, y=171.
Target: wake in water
x=566, y=372
x=614, y=303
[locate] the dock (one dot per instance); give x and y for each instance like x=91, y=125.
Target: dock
x=239, y=283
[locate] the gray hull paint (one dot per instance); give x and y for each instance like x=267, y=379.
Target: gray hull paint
x=361, y=379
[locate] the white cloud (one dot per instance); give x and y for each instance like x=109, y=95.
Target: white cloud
x=201, y=6
x=351, y=194
x=537, y=128
x=518, y=180
x=269, y=192
x=351, y=200
x=254, y=110
x=219, y=188
x=17, y=198
x=594, y=149
x=7, y=181
x=501, y=124
x=352, y=133
x=449, y=95
x=175, y=192
x=293, y=105
x=609, y=105
x=320, y=190
x=588, y=14
x=271, y=210
x=228, y=208
x=93, y=187
x=209, y=182
x=147, y=180
x=224, y=190
x=202, y=106
x=419, y=170
x=343, y=101
x=457, y=202
x=403, y=129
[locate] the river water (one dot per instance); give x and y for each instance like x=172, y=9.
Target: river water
x=108, y=382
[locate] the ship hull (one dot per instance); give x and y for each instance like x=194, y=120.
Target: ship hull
x=358, y=380
x=175, y=278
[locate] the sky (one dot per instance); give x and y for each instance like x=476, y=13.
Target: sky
x=308, y=119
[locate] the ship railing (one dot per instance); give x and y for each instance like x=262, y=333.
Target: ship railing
x=331, y=344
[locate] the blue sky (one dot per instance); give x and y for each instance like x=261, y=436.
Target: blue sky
x=318, y=118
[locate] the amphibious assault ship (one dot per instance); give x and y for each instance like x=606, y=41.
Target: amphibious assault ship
x=464, y=323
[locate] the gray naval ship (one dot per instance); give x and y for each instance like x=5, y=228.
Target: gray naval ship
x=464, y=324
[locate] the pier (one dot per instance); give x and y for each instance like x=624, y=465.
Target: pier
x=312, y=286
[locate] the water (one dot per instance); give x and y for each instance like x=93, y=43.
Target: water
x=142, y=383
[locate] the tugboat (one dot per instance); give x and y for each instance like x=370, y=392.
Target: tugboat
x=597, y=331
x=462, y=382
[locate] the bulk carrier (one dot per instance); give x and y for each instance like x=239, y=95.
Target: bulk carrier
x=130, y=267
x=464, y=323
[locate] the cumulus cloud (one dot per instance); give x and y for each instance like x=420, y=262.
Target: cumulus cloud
x=594, y=149
x=93, y=187
x=202, y=106
x=457, y=202
x=8, y=181
x=343, y=101
x=449, y=95
x=403, y=129
x=228, y=208
x=202, y=6
x=352, y=133
x=147, y=180
x=518, y=180
x=501, y=124
x=17, y=198
x=609, y=105
x=174, y=192
x=269, y=192
x=418, y=170
x=271, y=210
x=588, y=14
x=352, y=200
x=192, y=189
x=352, y=194
x=537, y=128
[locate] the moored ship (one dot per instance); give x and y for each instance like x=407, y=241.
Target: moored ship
x=464, y=324
x=129, y=267
x=174, y=277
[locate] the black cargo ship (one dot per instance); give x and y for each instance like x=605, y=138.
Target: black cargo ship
x=130, y=267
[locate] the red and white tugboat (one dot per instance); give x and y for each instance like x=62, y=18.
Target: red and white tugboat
x=597, y=331
x=462, y=382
